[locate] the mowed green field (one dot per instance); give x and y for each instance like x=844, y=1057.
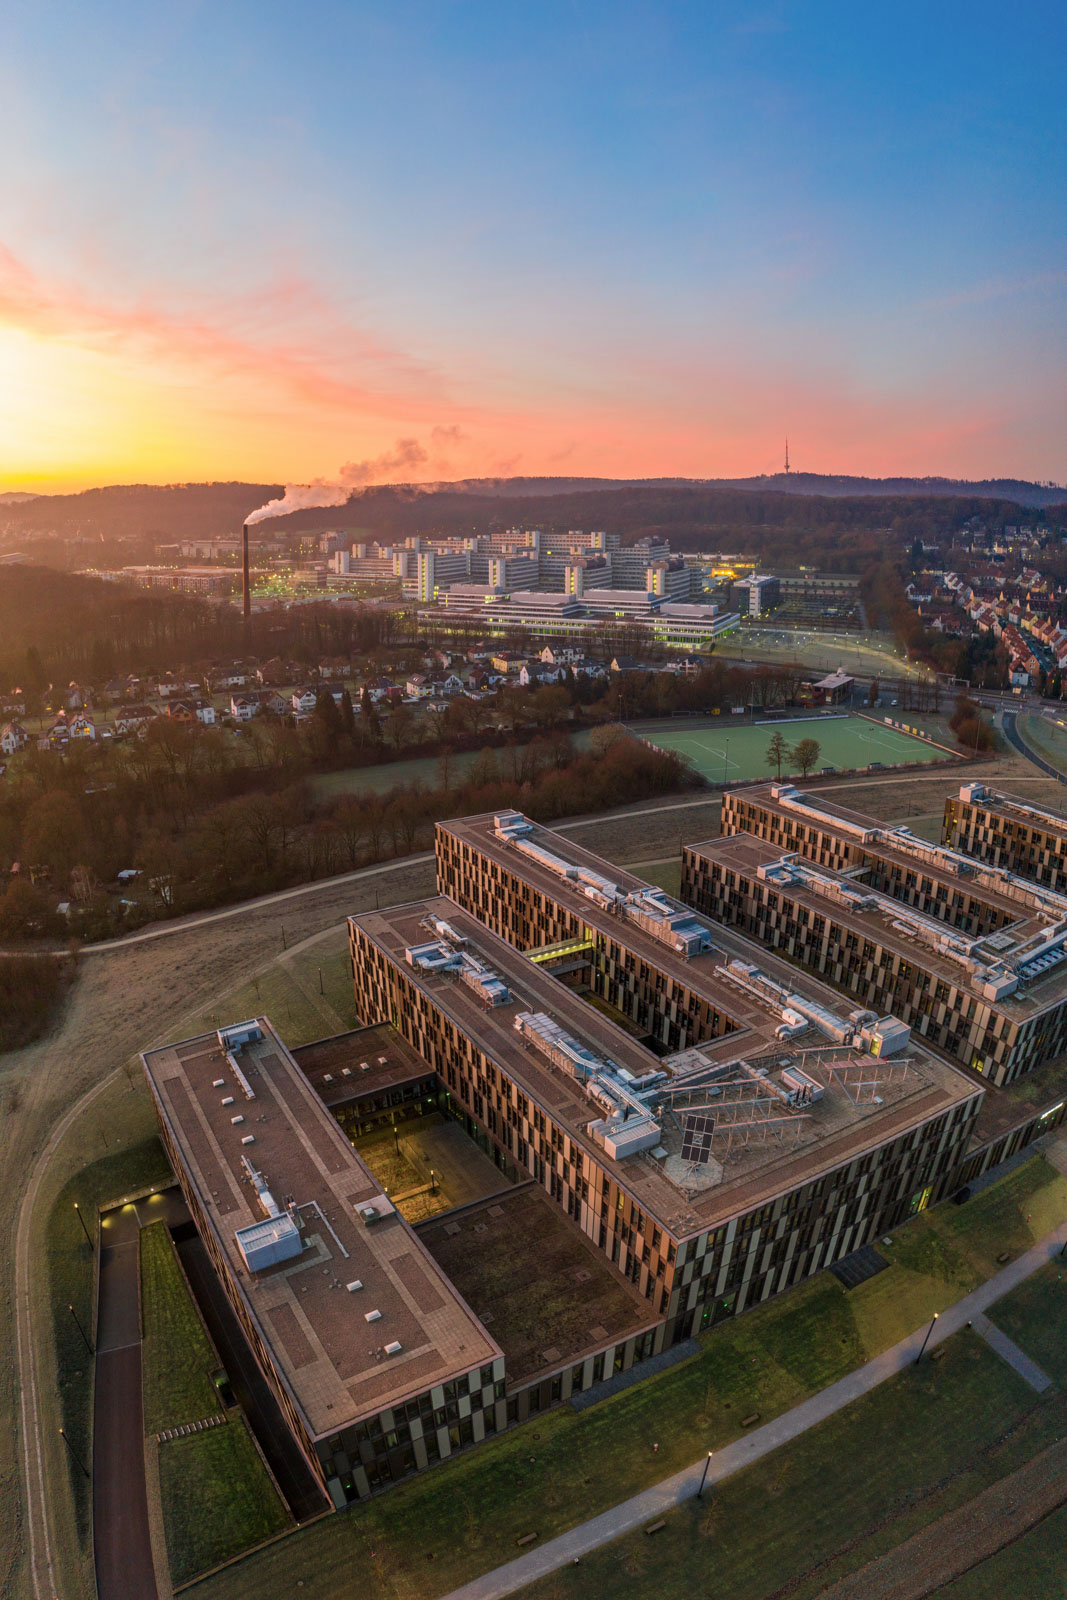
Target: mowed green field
x=724, y=752
x=1047, y=736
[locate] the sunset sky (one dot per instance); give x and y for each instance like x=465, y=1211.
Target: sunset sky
x=420, y=241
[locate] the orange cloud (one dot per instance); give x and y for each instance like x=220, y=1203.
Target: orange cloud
x=105, y=392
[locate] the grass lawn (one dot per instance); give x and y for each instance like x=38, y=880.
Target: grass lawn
x=422, y=770
x=665, y=874
x=1046, y=737
x=469, y=1511
x=331, y=955
x=71, y=1279
x=944, y=1253
x=176, y=1358
x=288, y=993
x=1035, y=1316
x=834, y=1498
x=217, y=1498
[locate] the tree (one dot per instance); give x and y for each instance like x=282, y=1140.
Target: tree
x=369, y=718
x=776, y=752
x=601, y=739
x=872, y=693
x=55, y=834
x=804, y=755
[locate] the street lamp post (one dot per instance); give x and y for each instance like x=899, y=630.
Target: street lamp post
x=79, y=1327
x=704, y=1475
x=74, y=1454
x=85, y=1230
x=929, y=1331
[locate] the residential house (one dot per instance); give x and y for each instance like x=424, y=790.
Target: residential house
x=234, y=677
x=302, y=701
x=418, y=686
x=170, y=687
x=13, y=737
x=243, y=707
x=134, y=719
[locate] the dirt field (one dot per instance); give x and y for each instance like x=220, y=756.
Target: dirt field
x=133, y=996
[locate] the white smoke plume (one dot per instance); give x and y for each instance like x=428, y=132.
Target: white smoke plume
x=405, y=456
x=300, y=495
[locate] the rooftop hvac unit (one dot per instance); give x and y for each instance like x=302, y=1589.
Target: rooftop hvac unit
x=357, y=1283
x=235, y=1120
x=227, y=1100
x=219, y=1083
x=394, y=1348
x=373, y=1316
x=249, y=1138
x=327, y=1077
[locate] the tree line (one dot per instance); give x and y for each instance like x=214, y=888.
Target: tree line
x=201, y=829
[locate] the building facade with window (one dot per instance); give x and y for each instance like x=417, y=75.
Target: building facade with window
x=997, y=1003
x=584, y=1108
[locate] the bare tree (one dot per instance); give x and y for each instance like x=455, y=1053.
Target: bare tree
x=776, y=752
x=805, y=755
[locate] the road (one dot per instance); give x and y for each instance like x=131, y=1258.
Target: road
x=121, y=1539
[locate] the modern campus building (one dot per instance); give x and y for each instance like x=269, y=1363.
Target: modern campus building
x=377, y=1363
x=755, y=596
x=586, y=617
x=995, y=1001
x=710, y=1177
x=1009, y=833
x=677, y=1123
x=971, y=895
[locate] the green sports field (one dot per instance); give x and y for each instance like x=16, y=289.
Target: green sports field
x=725, y=753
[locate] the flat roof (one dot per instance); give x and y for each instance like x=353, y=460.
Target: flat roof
x=697, y=972
x=1022, y=810
x=886, y=919
x=329, y=1357
x=877, y=841
x=364, y=1061
x=834, y=1130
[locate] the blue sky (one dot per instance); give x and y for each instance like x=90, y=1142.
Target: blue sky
x=588, y=238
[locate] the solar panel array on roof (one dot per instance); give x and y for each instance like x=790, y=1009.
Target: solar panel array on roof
x=697, y=1134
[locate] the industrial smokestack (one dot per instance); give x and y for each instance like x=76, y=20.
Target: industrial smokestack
x=246, y=587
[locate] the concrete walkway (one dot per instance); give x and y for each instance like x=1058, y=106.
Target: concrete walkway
x=740, y=1453
x=1009, y=1351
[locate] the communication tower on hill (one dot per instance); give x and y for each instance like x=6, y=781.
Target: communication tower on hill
x=787, y=458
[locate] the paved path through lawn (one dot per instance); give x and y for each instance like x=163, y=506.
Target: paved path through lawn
x=655, y=1502
x=1009, y=1351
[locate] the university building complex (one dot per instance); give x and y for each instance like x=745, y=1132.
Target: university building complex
x=683, y=1106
